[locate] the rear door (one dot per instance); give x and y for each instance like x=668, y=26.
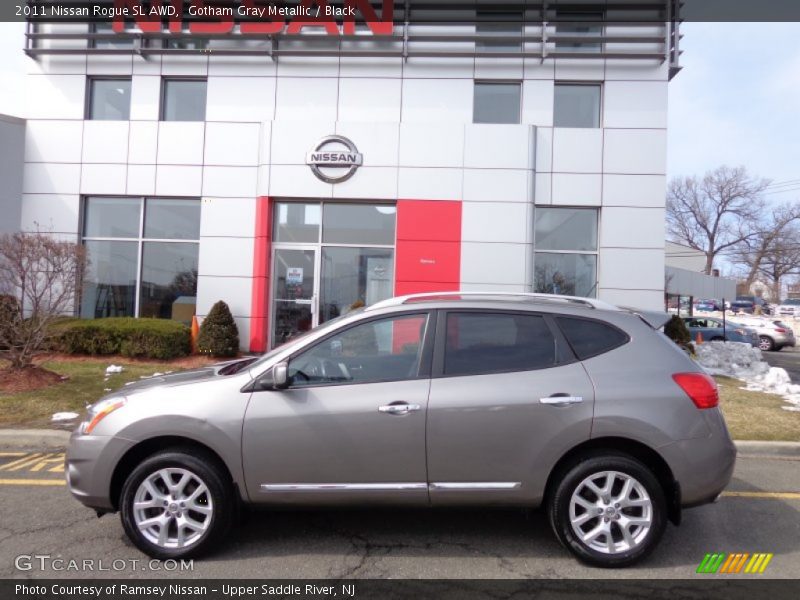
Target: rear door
x=507, y=400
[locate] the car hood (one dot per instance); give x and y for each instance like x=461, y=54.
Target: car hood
x=185, y=377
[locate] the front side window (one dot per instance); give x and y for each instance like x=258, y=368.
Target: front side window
x=576, y=105
x=376, y=351
x=143, y=255
x=565, y=260
x=497, y=102
x=482, y=343
x=589, y=338
x=184, y=100
x=109, y=100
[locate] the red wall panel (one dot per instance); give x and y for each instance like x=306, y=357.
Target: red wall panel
x=259, y=325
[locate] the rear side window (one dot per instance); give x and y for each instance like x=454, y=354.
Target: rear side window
x=482, y=343
x=590, y=338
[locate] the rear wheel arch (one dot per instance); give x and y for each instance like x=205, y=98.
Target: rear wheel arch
x=142, y=450
x=625, y=446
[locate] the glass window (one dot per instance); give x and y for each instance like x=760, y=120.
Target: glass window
x=576, y=105
x=131, y=276
x=184, y=100
x=566, y=274
x=589, y=338
x=353, y=277
x=499, y=23
x=496, y=102
x=579, y=24
x=566, y=229
x=172, y=219
x=297, y=222
x=169, y=281
x=109, y=283
x=481, y=343
x=358, y=224
x=112, y=217
x=109, y=99
x=383, y=350
x=106, y=27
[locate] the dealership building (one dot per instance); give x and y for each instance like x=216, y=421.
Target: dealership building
x=298, y=174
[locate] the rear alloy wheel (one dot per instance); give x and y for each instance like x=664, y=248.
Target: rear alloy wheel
x=175, y=505
x=609, y=511
x=766, y=343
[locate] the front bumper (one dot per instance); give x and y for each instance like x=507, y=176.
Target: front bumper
x=89, y=466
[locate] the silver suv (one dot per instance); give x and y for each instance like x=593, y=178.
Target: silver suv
x=426, y=400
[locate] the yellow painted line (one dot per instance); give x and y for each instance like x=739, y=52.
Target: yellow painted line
x=26, y=460
x=780, y=495
x=32, y=482
x=4, y=454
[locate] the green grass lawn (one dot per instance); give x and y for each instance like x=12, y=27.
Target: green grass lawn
x=85, y=385
x=756, y=416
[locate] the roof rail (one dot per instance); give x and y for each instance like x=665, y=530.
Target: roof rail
x=400, y=300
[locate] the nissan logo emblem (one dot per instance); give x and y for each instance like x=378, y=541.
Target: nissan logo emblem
x=334, y=159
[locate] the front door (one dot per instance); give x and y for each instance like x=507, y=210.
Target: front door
x=351, y=425
x=294, y=292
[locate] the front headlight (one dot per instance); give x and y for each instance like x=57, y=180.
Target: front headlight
x=99, y=410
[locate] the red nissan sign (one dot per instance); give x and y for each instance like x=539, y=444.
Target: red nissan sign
x=254, y=16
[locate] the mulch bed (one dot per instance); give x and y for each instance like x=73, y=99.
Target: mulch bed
x=28, y=379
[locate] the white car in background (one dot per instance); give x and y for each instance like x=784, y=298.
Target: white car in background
x=790, y=308
x=773, y=334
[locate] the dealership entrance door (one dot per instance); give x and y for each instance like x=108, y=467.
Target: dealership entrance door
x=328, y=258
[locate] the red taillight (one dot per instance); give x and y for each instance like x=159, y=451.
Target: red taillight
x=700, y=388
x=780, y=330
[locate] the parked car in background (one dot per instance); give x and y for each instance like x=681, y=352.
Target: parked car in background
x=773, y=334
x=713, y=330
x=430, y=400
x=709, y=306
x=748, y=304
x=790, y=308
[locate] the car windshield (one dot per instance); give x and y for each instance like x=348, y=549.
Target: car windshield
x=302, y=336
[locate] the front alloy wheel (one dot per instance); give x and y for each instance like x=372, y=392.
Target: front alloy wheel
x=177, y=503
x=765, y=343
x=609, y=510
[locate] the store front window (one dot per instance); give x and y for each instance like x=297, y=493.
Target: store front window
x=328, y=259
x=142, y=257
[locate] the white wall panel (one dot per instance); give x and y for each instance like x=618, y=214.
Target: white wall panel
x=53, y=141
x=494, y=263
x=496, y=185
x=292, y=140
x=141, y=180
x=643, y=299
x=301, y=99
x=241, y=98
x=57, y=213
x=635, y=104
x=498, y=147
x=576, y=189
x=494, y=222
x=632, y=227
x=234, y=182
x=636, y=151
x=577, y=150
x=232, y=144
x=54, y=96
x=590, y=69
x=236, y=292
x=543, y=188
x=103, y=178
x=544, y=149
x=537, y=102
x=147, y=65
x=297, y=181
x=216, y=253
x=177, y=180
x=437, y=100
x=355, y=66
x=431, y=144
x=369, y=99
x=145, y=97
x=234, y=66
x=498, y=68
x=104, y=64
x=636, y=70
x=430, y=184
x=228, y=217
x=143, y=142
x=369, y=182
x=105, y=141
x=378, y=142
x=632, y=268
x=180, y=142
x=634, y=190
x=51, y=178
x=192, y=65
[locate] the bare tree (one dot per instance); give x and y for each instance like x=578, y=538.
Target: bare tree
x=781, y=259
x=772, y=240
x=715, y=213
x=39, y=281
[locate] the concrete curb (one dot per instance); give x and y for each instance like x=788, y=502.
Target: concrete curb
x=34, y=438
x=768, y=448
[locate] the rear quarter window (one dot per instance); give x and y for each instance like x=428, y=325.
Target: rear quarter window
x=590, y=338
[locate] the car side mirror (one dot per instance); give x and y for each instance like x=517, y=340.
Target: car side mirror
x=277, y=378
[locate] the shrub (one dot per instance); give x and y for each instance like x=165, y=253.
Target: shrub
x=676, y=330
x=135, y=338
x=219, y=335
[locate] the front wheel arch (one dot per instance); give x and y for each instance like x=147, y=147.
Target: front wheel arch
x=641, y=452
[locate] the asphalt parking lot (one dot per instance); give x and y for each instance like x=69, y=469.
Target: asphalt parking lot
x=788, y=358
x=760, y=512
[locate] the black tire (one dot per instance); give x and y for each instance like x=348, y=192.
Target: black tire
x=220, y=492
x=570, y=480
x=766, y=341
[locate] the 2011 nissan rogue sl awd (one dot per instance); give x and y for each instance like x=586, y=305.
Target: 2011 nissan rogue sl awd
x=445, y=399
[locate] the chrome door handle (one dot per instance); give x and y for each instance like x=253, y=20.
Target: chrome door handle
x=398, y=409
x=561, y=400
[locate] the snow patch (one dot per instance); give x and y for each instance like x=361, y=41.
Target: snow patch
x=742, y=361
x=114, y=369
x=64, y=416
